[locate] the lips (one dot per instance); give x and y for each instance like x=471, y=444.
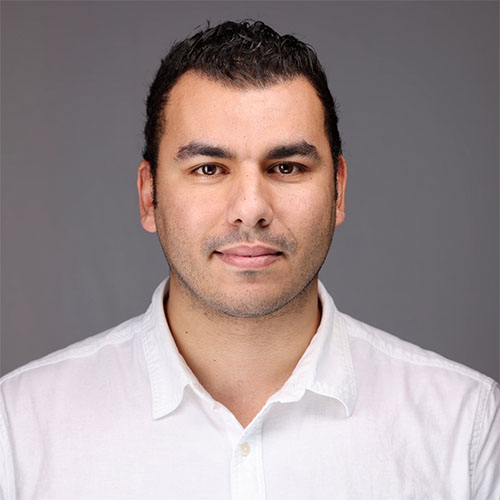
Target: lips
x=249, y=257
x=246, y=251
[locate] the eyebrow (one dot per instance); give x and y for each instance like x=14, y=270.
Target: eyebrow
x=301, y=148
x=195, y=148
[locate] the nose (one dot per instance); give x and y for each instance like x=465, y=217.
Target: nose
x=249, y=203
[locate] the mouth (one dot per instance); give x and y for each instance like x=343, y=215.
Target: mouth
x=247, y=257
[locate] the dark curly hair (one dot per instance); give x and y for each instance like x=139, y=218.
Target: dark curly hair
x=248, y=53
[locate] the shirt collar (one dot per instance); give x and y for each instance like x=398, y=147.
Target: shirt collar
x=168, y=372
x=325, y=367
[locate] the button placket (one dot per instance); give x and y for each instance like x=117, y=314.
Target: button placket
x=247, y=468
x=245, y=449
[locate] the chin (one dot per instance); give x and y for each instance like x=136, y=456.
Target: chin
x=253, y=295
x=244, y=310
x=253, y=302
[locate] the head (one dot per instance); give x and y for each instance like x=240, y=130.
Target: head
x=243, y=176
x=240, y=55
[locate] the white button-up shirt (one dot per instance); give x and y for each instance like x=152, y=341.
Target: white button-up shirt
x=364, y=416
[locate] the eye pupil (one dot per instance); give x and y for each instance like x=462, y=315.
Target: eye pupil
x=208, y=169
x=285, y=168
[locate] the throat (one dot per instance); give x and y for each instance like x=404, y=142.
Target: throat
x=242, y=362
x=244, y=401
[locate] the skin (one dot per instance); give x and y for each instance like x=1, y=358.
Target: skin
x=242, y=329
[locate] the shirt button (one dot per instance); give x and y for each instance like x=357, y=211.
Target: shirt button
x=245, y=449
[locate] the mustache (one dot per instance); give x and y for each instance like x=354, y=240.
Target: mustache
x=281, y=242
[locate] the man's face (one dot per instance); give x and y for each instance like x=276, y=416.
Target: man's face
x=245, y=192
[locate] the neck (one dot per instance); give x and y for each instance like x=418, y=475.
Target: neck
x=241, y=362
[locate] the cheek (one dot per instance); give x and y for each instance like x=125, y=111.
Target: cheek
x=308, y=212
x=188, y=214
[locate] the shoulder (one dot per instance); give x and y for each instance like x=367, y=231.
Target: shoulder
x=64, y=363
x=386, y=348
x=446, y=405
x=57, y=392
x=420, y=381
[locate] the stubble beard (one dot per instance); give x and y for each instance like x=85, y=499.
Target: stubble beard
x=204, y=295
x=218, y=304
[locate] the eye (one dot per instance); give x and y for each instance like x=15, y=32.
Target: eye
x=287, y=168
x=208, y=169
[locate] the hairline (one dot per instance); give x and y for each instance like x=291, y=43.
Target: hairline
x=238, y=84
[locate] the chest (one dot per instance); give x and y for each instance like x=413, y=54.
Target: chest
x=290, y=451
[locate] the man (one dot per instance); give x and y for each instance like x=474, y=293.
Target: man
x=242, y=380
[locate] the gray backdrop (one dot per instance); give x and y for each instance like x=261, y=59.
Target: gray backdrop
x=417, y=85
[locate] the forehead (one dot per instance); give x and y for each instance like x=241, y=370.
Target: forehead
x=203, y=109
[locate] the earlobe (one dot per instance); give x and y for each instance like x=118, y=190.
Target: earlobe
x=341, y=186
x=145, y=192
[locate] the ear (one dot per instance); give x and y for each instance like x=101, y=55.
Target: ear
x=145, y=191
x=341, y=184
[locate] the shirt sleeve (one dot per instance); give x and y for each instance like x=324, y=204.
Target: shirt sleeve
x=486, y=466
x=6, y=465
